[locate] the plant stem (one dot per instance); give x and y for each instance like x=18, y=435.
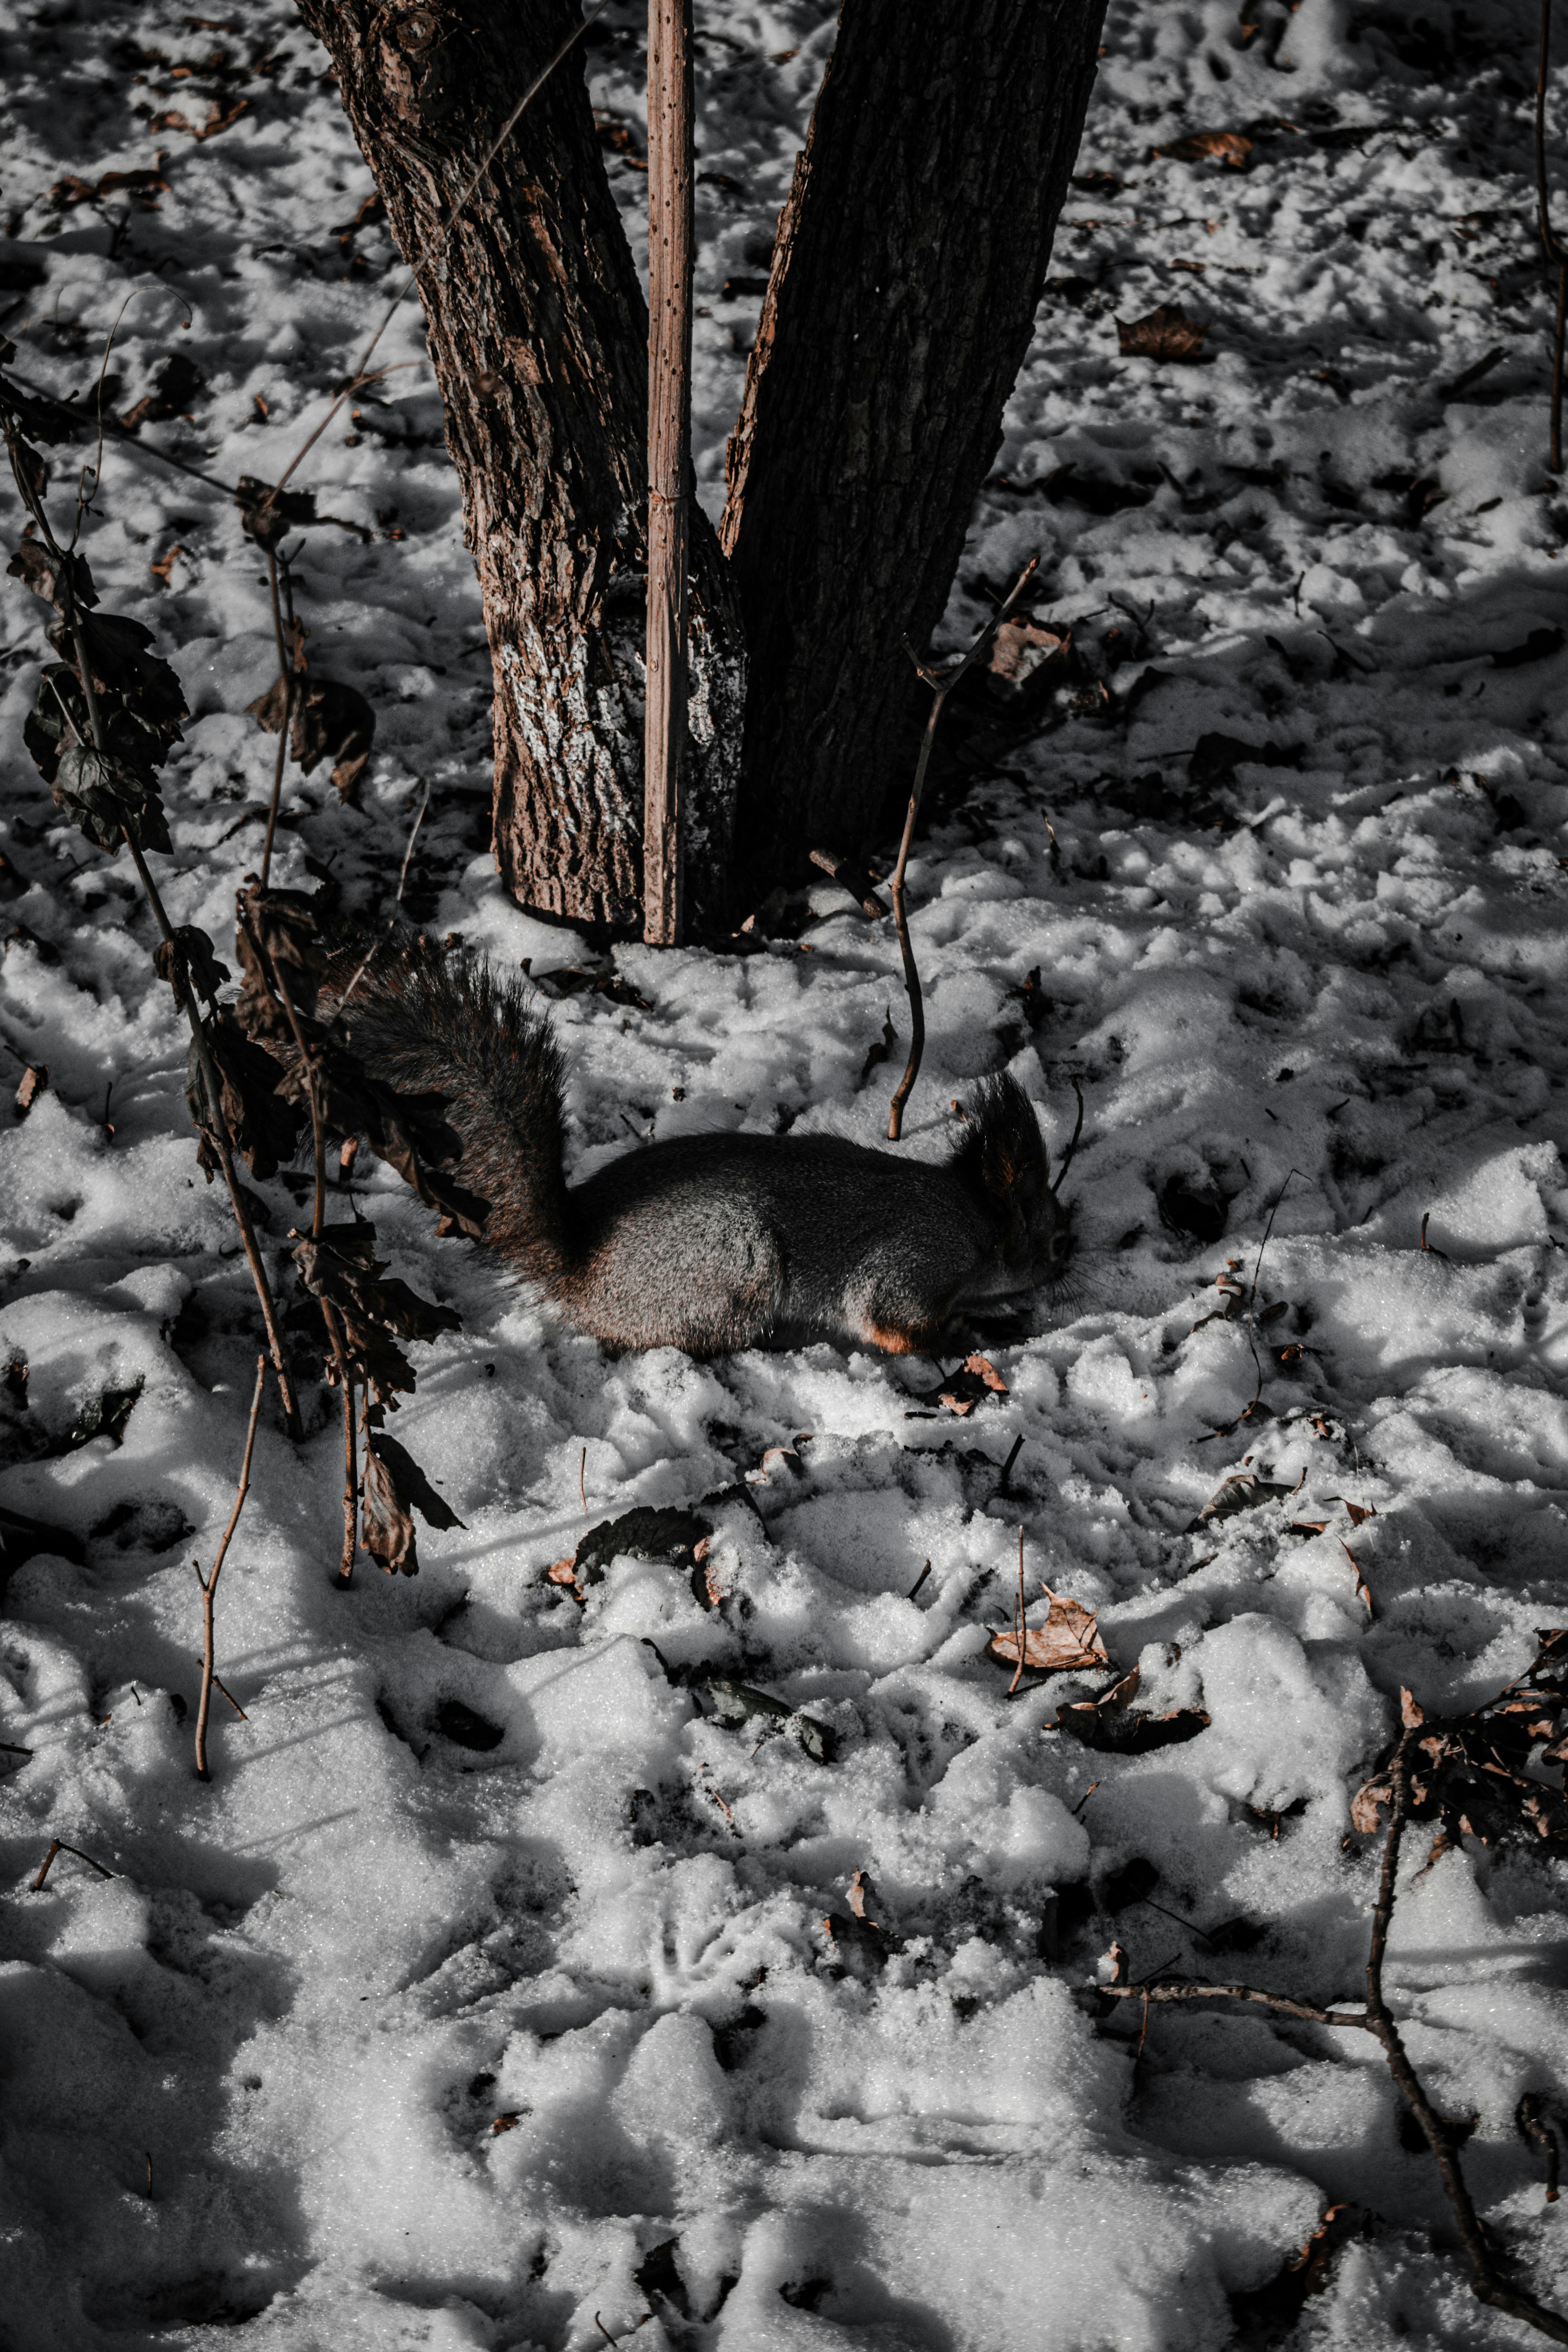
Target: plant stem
x=285, y=679
x=219, y=1131
x=942, y=683
x=309, y=1061
x=209, y=1583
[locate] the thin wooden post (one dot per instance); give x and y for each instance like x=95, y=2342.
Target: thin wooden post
x=670, y=237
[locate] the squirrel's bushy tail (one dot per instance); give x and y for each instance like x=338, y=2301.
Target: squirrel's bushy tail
x=450, y=1025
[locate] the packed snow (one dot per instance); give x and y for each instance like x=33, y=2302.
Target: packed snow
x=614, y=2073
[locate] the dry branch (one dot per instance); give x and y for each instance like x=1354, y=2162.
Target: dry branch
x=1486, y=2281
x=670, y=245
x=942, y=683
x=58, y=1845
x=209, y=1583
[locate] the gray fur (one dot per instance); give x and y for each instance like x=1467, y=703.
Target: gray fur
x=708, y=1243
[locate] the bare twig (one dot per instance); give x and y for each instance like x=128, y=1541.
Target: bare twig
x=669, y=244
x=311, y=1064
x=209, y=1583
x=1023, y=1613
x=1252, y=1294
x=942, y=683
x=919, y=1580
x=851, y=876
x=1276, y=2001
x=1486, y=2282
x=58, y=1845
x=365, y=960
x=286, y=680
x=1072, y=1142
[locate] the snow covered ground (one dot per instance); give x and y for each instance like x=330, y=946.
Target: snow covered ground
x=613, y=2073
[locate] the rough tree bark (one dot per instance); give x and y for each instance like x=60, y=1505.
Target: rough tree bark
x=538, y=330
x=909, y=262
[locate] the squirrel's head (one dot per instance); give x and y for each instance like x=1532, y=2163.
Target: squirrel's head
x=1002, y=1158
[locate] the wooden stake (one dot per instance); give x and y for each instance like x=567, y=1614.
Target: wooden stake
x=669, y=240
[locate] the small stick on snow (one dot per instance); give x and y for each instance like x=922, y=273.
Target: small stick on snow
x=1486, y=2282
x=582, y=1481
x=942, y=683
x=1023, y=1620
x=209, y=1583
x=58, y=1845
x=286, y=680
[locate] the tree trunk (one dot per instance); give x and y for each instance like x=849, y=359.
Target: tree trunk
x=910, y=259
x=538, y=329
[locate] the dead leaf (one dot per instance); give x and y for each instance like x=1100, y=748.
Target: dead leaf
x=165, y=564
x=1358, y=1511
x=176, y=385
x=1365, y=1804
x=1114, y=1726
x=1115, y=1966
x=35, y=1078
x=392, y=1488
x=1164, y=333
x=1067, y=1641
x=1244, y=1491
x=969, y=1387
x=504, y=2124
x=1364, y=1590
x=1411, y=1711
x=1028, y=661
x=1230, y=147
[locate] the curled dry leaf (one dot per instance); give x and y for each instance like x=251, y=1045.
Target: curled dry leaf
x=35, y=1078
x=1244, y=1491
x=1113, y=1725
x=174, y=387
x=340, y=1266
x=262, y=1127
x=1067, y=1641
x=394, y=1487
x=1230, y=147
x=641, y=1534
x=977, y=1379
x=1474, y=1775
x=189, y=957
x=268, y=514
x=1166, y=333
x=736, y=1703
x=1363, y=1588
x=50, y=576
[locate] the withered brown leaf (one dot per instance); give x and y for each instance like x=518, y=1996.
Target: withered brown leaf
x=1163, y=333
x=1069, y=1640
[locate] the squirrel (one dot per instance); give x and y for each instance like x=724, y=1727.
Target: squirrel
x=705, y=1242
